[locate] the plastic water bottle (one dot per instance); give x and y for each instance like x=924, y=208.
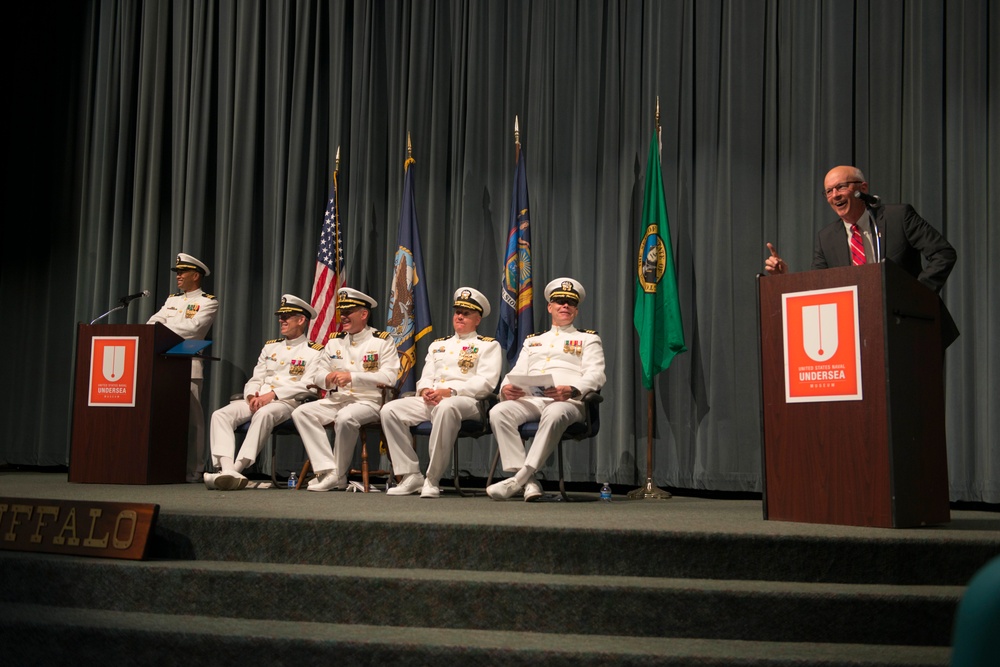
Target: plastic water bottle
x=293, y=480
x=606, y=493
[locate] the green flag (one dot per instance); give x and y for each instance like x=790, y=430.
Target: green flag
x=657, y=308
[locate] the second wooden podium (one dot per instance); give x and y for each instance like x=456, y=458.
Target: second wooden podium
x=855, y=439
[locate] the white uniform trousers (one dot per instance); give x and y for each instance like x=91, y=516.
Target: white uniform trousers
x=347, y=419
x=446, y=420
x=553, y=418
x=227, y=418
x=196, y=431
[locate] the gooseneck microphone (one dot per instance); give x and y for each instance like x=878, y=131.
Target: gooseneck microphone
x=871, y=200
x=126, y=300
x=123, y=303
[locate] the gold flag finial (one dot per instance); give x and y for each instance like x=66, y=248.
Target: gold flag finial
x=659, y=138
x=336, y=166
x=517, y=133
x=409, y=153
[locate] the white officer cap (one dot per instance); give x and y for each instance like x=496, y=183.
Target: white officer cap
x=187, y=262
x=565, y=288
x=293, y=304
x=348, y=297
x=473, y=299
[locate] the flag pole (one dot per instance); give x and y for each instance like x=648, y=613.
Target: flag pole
x=517, y=141
x=338, y=249
x=650, y=490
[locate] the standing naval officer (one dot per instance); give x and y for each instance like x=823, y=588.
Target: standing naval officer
x=355, y=361
x=575, y=360
x=189, y=312
x=455, y=369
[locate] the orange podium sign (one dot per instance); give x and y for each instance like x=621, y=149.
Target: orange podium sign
x=822, y=345
x=113, y=371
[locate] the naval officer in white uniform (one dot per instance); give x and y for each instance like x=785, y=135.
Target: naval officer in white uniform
x=455, y=369
x=269, y=396
x=355, y=361
x=575, y=360
x=190, y=312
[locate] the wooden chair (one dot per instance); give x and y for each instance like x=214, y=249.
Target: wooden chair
x=388, y=393
x=375, y=428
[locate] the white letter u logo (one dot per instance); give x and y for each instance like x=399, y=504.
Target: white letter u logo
x=114, y=362
x=819, y=331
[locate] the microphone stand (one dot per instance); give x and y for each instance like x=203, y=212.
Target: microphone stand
x=123, y=303
x=873, y=210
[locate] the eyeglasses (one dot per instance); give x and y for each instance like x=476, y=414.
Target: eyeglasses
x=838, y=188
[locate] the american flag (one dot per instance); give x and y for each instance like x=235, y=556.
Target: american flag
x=329, y=272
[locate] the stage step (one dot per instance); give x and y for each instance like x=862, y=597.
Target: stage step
x=596, y=551
x=41, y=635
x=514, y=601
x=265, y=590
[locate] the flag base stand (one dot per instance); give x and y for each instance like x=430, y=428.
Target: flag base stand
x=650, y=491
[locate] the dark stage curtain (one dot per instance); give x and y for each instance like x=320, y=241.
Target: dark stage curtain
x=142, y=129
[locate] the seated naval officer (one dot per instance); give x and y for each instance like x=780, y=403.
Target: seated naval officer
x=355, y=361
x=269, y=396
x=575, y=360
x=456, y=368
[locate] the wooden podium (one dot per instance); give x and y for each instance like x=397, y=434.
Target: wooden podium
x=130, y=408
x=878, y=460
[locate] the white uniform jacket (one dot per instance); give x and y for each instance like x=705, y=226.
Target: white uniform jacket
x=189, y=315
x=573, y=357
x=469, y=364
x=371, y=358
x=283, y=367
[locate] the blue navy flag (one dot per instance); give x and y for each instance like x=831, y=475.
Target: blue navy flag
x=516, y=316
x=409, y=311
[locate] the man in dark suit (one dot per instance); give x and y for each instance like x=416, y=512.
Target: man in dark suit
x=903, y=236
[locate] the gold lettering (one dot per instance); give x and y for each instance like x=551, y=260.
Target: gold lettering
x=43, y=511
x=15, y=510
x=126, y=515
x=70, y=525
x=95, y=514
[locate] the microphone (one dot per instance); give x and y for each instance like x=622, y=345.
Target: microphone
x=870, y=200
x=125, y=300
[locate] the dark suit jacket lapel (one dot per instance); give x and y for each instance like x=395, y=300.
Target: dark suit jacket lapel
x=836, y=250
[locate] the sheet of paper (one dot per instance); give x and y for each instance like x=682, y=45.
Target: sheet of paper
x=533, y=385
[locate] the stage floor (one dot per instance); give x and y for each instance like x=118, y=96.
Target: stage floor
x=685, y=514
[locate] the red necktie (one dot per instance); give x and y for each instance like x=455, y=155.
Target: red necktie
x=857, y=247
